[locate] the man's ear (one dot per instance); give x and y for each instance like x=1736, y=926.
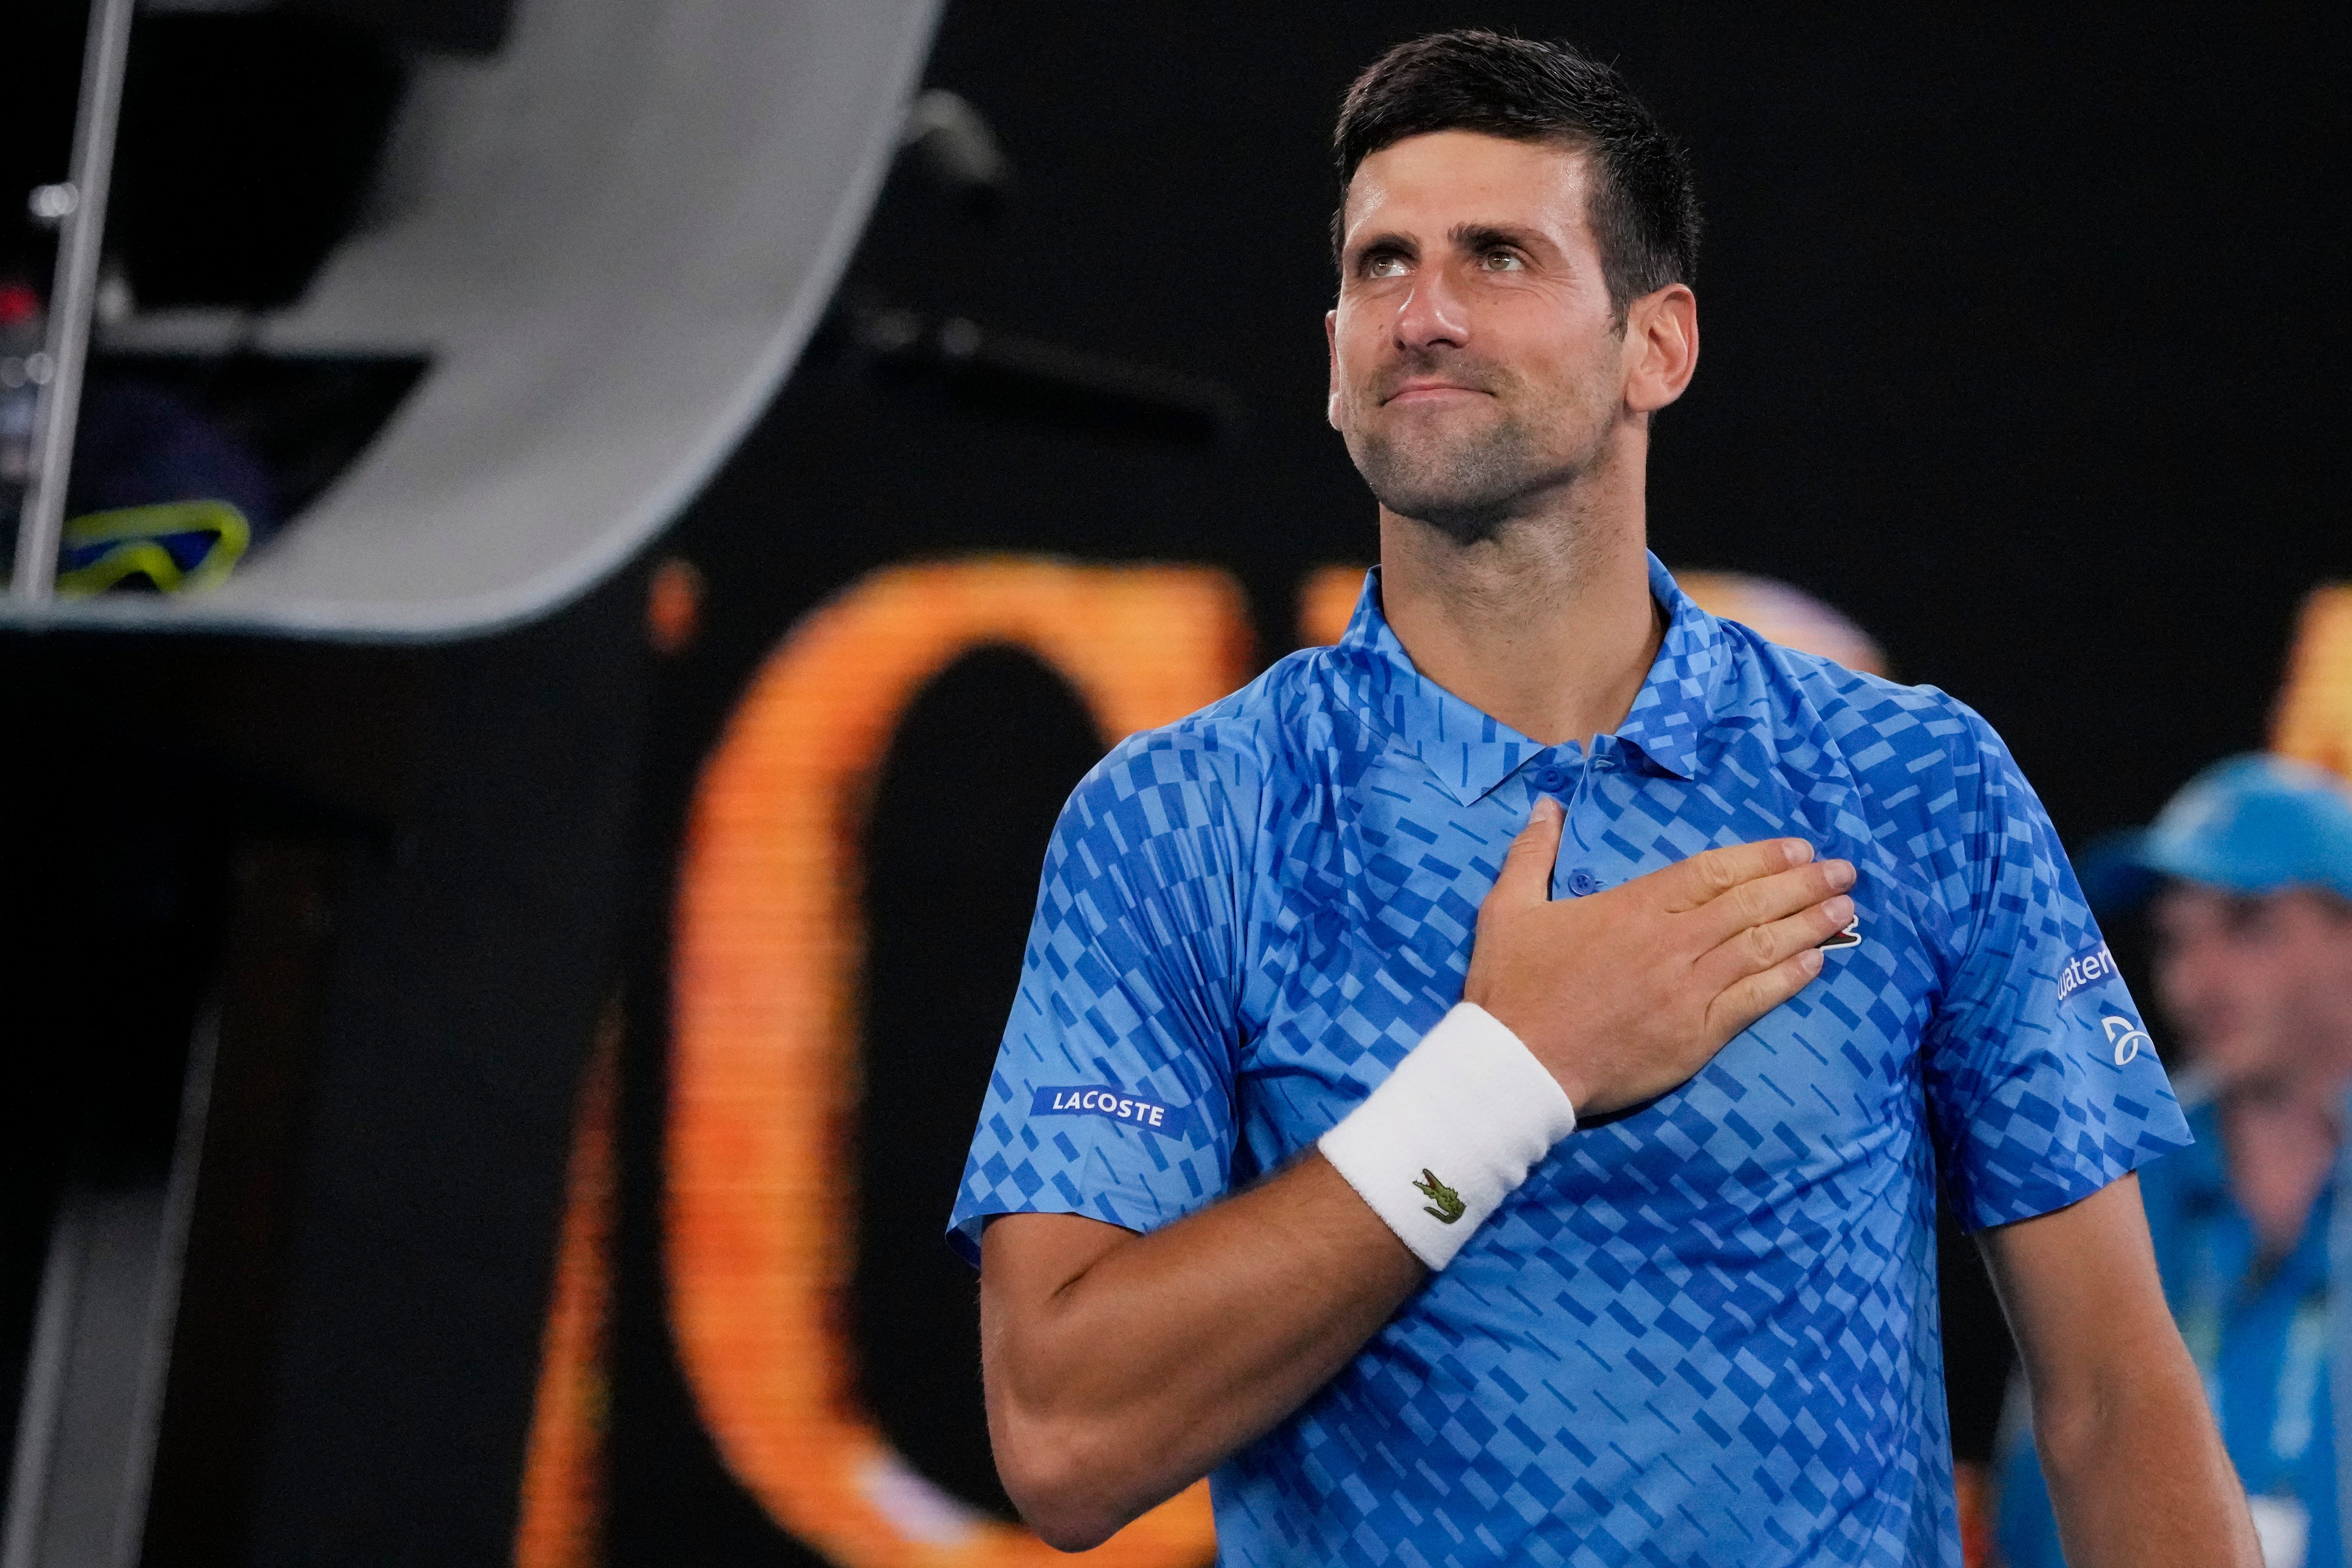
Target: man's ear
x=1661, y=347
x=1331, y=357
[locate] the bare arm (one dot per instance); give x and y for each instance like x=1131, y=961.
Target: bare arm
x=1121, y=1368
x=2136, y=1471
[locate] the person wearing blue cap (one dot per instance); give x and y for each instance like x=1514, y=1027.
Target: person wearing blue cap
x=2247, y=877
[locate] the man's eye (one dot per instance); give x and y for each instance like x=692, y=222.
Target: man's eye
x=1502, y=261
x=1384, y=267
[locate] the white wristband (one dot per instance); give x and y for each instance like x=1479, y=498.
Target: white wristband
x=1452, y=1133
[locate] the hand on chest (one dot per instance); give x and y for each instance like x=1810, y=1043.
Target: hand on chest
x=1379, y=933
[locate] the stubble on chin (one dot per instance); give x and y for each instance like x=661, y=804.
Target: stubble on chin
x=1466, y=484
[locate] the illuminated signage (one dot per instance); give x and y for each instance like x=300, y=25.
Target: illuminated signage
x=764, y=1070
x=2313, y=719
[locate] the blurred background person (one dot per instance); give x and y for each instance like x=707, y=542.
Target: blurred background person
x=2250, y=866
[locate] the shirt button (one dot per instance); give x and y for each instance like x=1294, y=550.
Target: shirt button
x=1551, y=778
x=1582, y=883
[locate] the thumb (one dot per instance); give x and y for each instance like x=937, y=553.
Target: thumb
x=1527, y=865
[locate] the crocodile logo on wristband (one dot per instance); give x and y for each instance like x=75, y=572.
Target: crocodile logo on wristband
x=1446, y=1204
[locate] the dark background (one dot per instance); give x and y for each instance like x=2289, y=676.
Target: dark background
x=2019, y=344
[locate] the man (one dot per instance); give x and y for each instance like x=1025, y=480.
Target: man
x=2253, y=968
x=1260, y=1198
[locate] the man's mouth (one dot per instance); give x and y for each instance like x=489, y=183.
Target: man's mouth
x=1430, y=389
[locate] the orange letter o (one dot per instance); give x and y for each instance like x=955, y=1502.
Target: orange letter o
x=764, y=1072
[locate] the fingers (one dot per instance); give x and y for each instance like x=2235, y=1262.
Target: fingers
x=1527, y=865
x=1708, y=875
x=1757, y=948
x=1744, y=1001
x=1764, y=899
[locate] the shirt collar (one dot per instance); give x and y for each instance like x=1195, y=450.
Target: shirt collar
x=1470, y=753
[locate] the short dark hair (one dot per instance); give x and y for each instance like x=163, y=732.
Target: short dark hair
x=1645, y=206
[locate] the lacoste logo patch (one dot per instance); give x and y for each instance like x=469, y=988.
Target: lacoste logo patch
x=1094, y=1099
x=1850, y=937
x=1445, y=1204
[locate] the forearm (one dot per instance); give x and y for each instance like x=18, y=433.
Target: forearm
x=1122, y=1385
x=2137, y=1473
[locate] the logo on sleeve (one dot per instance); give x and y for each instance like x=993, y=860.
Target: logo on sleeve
x=1445, y=1204
x=1093, y=1100
x=2127, y=1037
x=2085, y=969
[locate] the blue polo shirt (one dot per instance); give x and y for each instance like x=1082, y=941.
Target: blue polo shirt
x=1704, y=1331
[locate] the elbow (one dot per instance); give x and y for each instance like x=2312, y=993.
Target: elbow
x=2081, y=1420
x=1070, y=1527
x=1068, y=1491
x=2074, y=1425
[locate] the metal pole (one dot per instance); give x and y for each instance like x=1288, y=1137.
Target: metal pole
x=46, y=1369
x=71, y=297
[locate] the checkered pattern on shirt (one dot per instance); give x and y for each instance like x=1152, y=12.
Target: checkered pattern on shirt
x=1704, y=1331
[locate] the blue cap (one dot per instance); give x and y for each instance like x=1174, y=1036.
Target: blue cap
x=2253, y=824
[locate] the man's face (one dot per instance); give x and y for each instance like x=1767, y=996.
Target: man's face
x=1475, y=361
x=2259, y=987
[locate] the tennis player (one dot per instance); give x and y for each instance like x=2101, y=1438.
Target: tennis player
x=1477, y=1093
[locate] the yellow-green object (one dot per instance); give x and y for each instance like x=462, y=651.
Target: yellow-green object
x=179, y=546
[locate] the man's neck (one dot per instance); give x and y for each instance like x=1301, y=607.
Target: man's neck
x=1549, y=626
x=2281, y=1146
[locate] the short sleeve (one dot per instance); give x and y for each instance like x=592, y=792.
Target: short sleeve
x=2042, y=1080
x=1113, y=1091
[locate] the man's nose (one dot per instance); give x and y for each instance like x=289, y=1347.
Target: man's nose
x=1432, y=313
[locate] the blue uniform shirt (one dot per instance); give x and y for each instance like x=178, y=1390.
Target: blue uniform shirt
x=2260, y=1335
x=1704, y=1331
